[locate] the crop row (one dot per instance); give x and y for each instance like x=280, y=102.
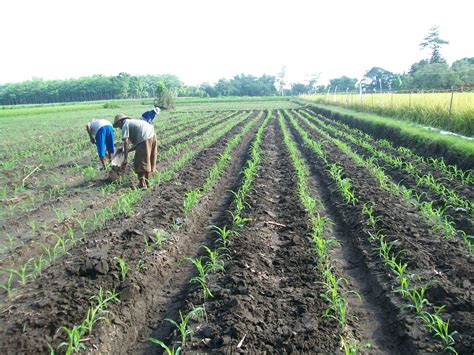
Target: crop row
x=426, y=209
x=422, y=163
x=124, y=204
x=335, y=293
x=407, y=287
x=213, y=261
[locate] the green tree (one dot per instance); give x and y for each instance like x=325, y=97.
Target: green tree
x=435, y=76
x=343, y=83
x=377, y=79
x=464, y=68
x=225, y=88
x=281, y=80
x=434, y=43
x=299, y=88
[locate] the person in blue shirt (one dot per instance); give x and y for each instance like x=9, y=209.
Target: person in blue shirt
x=101, y=134
x=149, y=116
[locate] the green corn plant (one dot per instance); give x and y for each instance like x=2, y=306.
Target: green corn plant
x=123, y=267
x=213, y=263
x=182, y=326
x=224, y=234
x=369, y=212
x=169, y=351
x=74, y=344
x=417, y=298
x=92, y=317
x=60, y=243
x=38, y=265
x=8, y=285
x=22, y=273
x=440, y=329
x=238, y=221
x=201, y=278
x=191, y=199
x=51, y=255
x=160, y=237
x=353, y=348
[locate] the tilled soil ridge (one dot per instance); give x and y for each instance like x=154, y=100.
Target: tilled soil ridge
x=268, y=298
x=61, y=295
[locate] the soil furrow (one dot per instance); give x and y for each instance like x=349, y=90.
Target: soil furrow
x=268, y=297
x=372, y=316
x=61, y=295
x=23, y=252
x=445, y=266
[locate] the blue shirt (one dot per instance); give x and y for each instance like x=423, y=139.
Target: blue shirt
x=149, y=116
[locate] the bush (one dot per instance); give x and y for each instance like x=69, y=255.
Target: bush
x=165, y=100
x=112, y=104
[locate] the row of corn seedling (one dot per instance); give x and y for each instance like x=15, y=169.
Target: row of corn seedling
x=192, y=197
x=452, y=171
x=413, y=295
x=434, y=216
x=334, y=294
x=213, y=261
x=392, y=260
x=450, y=196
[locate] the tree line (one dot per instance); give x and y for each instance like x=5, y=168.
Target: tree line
x=432, y=73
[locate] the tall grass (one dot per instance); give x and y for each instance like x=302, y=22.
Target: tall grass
x=429, y=109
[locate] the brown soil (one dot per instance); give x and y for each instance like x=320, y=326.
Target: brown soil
x=60, y=296
x=444, y=265
x=268, y=299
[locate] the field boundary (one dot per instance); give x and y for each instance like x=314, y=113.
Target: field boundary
x=455, y=151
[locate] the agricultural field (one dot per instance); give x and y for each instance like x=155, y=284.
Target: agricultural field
x=269, y=228
x=447, y=111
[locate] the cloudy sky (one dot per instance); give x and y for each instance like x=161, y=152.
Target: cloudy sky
x=204, y=40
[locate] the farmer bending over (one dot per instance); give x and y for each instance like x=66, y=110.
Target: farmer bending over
x=149, y=116
x=101, y=134
x=142, y=135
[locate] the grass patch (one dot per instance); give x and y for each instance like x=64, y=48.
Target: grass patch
x=455, y=150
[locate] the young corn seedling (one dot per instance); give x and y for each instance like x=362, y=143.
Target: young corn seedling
x=182, y=326
x=238, y=221
x=38, y=265
x=417, y=298
x=224, y=235
x=440, y=328
x=123, y=267
x=353, y=348
x=169, y=351
x=369, y=212
x=201, y=278
x=213, y=263
x=8, y=285
x=22, y=273
x=74, y=344
x=51, y=254
x=191, y=199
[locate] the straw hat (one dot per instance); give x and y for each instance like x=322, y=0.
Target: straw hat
x=118, y=118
